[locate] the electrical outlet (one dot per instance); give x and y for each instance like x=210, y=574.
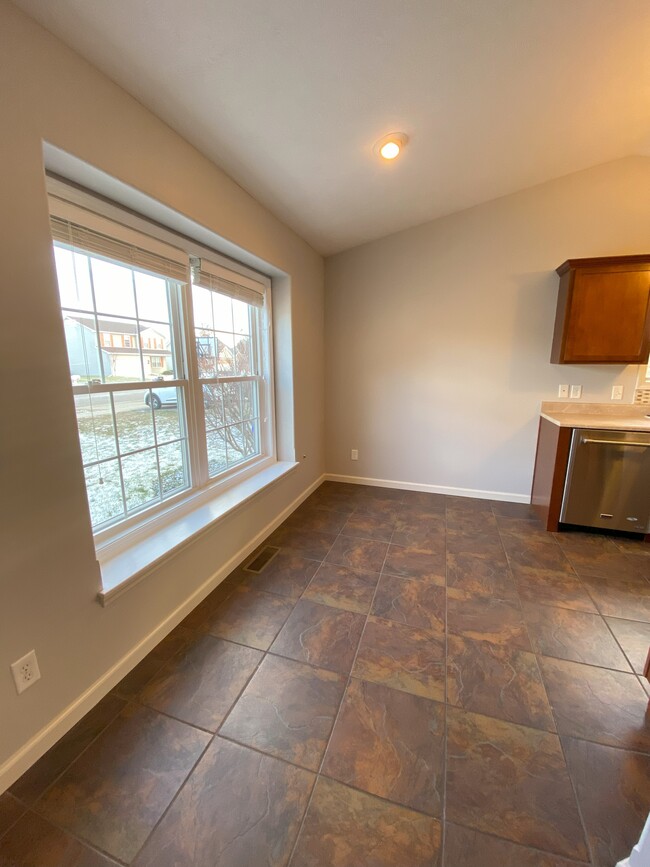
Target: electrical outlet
x=576, y=391
x=25, y=671
x=354, y=454
x=563, y=391
x=617, y=392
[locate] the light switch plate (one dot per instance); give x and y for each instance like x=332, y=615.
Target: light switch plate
x=617, y=392
x=576, y=391
x=563, y=391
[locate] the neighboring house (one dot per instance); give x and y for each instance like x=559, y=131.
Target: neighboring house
x=83, y=350
x=122, y=343
x=205, y=350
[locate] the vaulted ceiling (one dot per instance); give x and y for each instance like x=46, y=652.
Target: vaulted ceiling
x=290, y=96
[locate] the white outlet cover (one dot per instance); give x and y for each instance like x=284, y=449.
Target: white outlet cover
x=354, y=454
x=25, y=671
x=617, y=392
x=563, y=391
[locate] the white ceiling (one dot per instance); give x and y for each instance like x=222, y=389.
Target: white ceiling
x=289, y=96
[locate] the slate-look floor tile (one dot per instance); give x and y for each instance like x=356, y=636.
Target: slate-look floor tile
x=416, y=602
x=471, y=521
x=239, y=808
x=360, y=554
x=511, y=781
x=402, y=657
x=196, y=618
x=509, y=802
x=484, y=543
x=638, y=547
x=382, y=509
x=288, y=711
x=608, y=563
x=310, y=517
x=619, y=596
x=34, y=842
x=613, y=789
x=609, y=707
x=515, y=510
x=573, y=635
x=423, y=532
x=200, y=684
x=494, y=620
x=10, y=811
x=250, y=617
x=496, y=680
x=529, y=555
x=468, y=504
x=286, y=575
x=414, y=563
x=391, y=744
x=634, y=638
x=469, y=575
x=465, y=847
x=425, y=500
x=341, y=587
x=313, y=544
x=347, y=828
x=369, y=527
x=117, y=790
x=563, y=590
x=35, y=781
x=323, y=636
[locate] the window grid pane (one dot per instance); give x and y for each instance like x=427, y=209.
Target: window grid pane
x=223, y=334
x=118, y=328
x=232, y=423
x=118, y=320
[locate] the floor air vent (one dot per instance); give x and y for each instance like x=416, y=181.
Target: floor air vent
x=262, y=559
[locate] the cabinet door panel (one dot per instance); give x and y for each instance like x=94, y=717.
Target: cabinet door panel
x=609, y=316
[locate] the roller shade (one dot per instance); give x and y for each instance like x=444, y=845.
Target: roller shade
x=216, y=278
x=89, y=233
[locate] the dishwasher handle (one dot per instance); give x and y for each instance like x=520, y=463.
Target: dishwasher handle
x=586, y=440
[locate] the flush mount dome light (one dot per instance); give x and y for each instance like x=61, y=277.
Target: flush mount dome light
x=390, y=146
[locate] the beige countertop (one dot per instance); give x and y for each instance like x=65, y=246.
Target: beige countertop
x=602, y=416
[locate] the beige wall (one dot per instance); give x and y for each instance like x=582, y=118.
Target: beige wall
x=438, y=338
x=48, y=577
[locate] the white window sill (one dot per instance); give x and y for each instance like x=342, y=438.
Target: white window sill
x=124, y=569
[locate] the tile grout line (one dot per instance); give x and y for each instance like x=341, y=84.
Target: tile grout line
x=336, y=718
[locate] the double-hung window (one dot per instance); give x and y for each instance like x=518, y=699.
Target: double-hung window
x=169, y=356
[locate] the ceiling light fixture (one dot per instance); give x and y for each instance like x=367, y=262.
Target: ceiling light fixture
x=390, y=146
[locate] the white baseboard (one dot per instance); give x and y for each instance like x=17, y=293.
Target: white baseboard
x=25, y=757
x=432, y=489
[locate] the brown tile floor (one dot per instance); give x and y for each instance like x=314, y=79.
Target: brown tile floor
x=414, y=681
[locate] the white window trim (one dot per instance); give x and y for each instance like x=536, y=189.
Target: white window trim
x=130, y=549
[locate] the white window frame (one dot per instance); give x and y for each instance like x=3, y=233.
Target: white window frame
x=130, y=530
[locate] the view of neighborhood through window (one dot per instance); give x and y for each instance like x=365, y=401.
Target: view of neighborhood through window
x=113, y=314
x=124, y=328
x=225, y=344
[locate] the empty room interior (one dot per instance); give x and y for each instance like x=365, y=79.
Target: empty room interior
x=325, y=441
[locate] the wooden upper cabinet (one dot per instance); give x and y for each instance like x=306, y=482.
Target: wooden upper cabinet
x=603, y=311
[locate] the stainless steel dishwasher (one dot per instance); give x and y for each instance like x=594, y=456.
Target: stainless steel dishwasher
x=608, y=480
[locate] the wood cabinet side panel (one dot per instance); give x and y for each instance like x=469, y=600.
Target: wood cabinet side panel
x=551, y=462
